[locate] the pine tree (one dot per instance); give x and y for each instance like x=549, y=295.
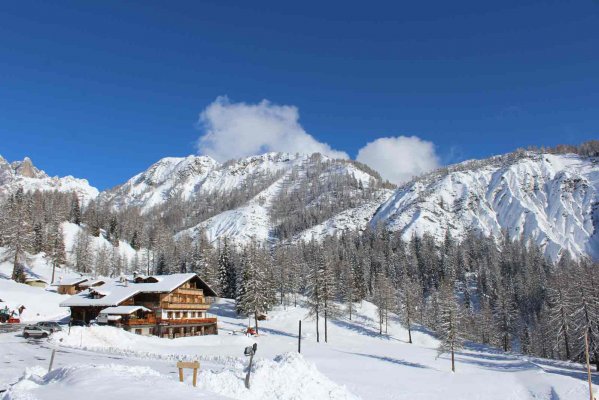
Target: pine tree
x=254, y=300
x=102, y=261
x=56, y=249
x=383, y=298
x=135, y=241
x=506, y=315
x=585, y=309
x=315, y=292
x=75, y=210
x=18, y=233
x=410, y=295
x=560, y=312
x=227, y=275
x=450, y=327
x=83, y=252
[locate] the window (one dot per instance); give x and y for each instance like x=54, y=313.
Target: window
x=138, y=331
x=170, y=315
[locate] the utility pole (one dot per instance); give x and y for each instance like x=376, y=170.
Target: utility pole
x=299, y=338
x=586, y=351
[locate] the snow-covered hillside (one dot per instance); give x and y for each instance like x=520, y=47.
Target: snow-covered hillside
x=172, y=177
x=353, y=219
x=24, y=174
x=552, y=199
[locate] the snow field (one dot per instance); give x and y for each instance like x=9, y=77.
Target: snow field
x=100, y=381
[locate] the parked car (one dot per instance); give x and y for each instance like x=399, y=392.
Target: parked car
x=49, y=326
x=35, y=331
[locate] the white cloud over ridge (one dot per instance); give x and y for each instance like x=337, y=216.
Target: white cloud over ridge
x=400, y=158
x=234, y=130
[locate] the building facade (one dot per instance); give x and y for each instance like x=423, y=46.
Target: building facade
x=167, y=306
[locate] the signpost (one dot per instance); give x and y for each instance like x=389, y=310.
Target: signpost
x=250, y=351
x=195, y=365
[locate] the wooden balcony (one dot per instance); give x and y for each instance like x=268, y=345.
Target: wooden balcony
x=150, y=320
x=194, y=292
x=158, y=321
x=187, y=321
x=185, y=306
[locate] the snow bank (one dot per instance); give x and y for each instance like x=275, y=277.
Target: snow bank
x=39, y=303
x=107, y=339
x=289, y=377
x=98, y=382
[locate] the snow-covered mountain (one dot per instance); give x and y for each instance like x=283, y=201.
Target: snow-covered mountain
x=184, y=177
x=267, y=177
x=24, y=174
x=551, y=199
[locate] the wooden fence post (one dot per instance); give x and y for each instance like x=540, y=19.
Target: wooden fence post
x=195, y=365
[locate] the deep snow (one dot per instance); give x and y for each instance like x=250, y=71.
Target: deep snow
x=356, y=363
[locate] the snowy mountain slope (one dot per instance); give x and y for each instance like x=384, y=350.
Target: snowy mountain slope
x=244, y=223
x=24, y=174
x=552, y=199
x=254, y=219
x=353, y=219
x=188, y=176
x=167, y=178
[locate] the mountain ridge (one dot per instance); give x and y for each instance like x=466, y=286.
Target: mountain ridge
x=550, y=198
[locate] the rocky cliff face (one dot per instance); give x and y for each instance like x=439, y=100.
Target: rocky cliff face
x=24, y=174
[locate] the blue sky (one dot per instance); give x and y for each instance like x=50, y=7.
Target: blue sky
x=102, y=90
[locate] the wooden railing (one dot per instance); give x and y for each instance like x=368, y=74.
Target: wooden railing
x=150, y=320
x=195, y=292
x=185, y=306
x=187, y=321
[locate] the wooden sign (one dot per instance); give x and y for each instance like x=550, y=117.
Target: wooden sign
x=195, y=365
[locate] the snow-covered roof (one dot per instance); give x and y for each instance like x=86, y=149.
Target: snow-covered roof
x=33, y=279
x=71, y=281
x=114, y=292
x=113, y=317
x=92, y=283
x=123, y=310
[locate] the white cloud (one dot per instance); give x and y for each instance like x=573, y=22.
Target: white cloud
x=399, y=158
x=233, y=130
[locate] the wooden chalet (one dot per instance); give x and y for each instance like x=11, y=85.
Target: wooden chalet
x=70, y=286
x=163, y=305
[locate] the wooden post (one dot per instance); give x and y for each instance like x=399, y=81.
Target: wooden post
x=195, y=365
x=52, y=360
x=586, y=351
x=299, y=338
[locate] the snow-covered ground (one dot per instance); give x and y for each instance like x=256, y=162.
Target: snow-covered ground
x=356, y=363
